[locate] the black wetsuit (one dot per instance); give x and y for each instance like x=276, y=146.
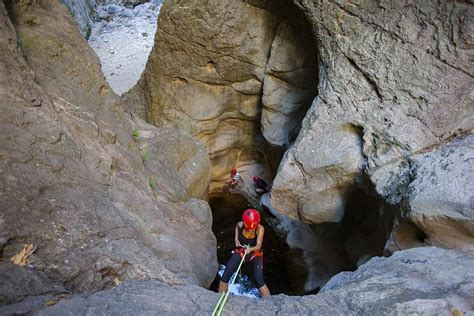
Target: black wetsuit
x=257, y=262
x=261, y=184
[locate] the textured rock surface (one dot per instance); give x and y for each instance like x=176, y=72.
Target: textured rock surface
x=20, y=282
x=83, y=12
x=440, y=197
x=212, y=63
x=428, y=281
x=74, y=180
x=395, y=79
x=290, y=82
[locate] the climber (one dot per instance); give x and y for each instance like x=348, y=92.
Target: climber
x=260, y=185
x=248, y=239
x=235, y=179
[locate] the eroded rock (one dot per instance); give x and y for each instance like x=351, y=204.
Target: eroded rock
x=209, y=74
x=389, y=71
x=75, y=181
x=440, y=197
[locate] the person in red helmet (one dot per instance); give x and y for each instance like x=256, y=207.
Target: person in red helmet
x=248, y=239
x=235, y=178
x=260, y=185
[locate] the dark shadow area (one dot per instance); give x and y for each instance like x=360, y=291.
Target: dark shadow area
x=366, y=226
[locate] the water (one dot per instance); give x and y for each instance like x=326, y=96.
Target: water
x=243, y=285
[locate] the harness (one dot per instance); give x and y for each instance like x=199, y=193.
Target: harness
x=248, y=242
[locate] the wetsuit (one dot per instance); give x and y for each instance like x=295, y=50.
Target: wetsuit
x=261, y=184
x=255, y=258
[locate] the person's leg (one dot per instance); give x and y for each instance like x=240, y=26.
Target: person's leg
x=258, y=275
x=232, y=265
x=264, y=291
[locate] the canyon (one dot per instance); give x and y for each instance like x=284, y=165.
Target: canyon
x=358, y=114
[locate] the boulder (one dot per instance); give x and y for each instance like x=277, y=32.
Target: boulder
x=318, y=174
x=440, y=196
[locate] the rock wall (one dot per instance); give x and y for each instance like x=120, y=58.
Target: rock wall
x=103, y=195
x=395, y=81
x=83, y=12
x=214, y=65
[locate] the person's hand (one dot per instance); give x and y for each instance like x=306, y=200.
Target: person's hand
x=237, y=244
x=247, y=250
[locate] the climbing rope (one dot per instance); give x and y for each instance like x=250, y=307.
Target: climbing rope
x=221, y=302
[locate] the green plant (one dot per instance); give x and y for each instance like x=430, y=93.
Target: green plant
x=88, y=32
x=152, y=183
x=31, y=20
x=145, y=155
x=136, y=135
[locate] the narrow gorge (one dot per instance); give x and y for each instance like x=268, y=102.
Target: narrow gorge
x=114, y=162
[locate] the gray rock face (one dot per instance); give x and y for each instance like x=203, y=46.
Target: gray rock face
x=83, y=12
x=440, y=197
x=76, y=183
x=290, y=82
x=429, y=281
x=20, y=282
x=395, y=79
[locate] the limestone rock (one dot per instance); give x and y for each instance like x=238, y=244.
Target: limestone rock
x=318, y=173
x=440, y=196
x=75, y=183
x=403, y=280
x=213, y=65
x=83, y=12
x=290, y=83
x=409, y=281
x=400, y=76
x=20, y=282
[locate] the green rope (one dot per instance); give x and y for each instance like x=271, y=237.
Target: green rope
x=219, y=305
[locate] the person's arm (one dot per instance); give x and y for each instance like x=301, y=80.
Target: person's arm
x=237, y=242
x=258, y=246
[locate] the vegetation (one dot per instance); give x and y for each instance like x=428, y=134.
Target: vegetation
x=145, y=155
x=152, y=183
x=31, y=20
x=136, y=135
x=88, y=32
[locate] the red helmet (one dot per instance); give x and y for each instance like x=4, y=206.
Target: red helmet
x=251, y=219
x=255, y=178
x=234, y=171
